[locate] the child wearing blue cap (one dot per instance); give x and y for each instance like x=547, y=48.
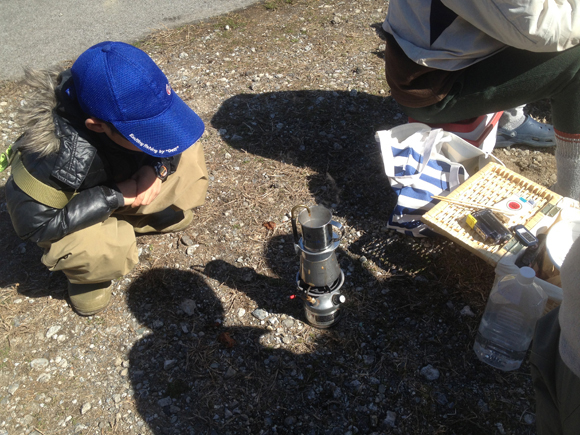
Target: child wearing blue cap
x=109, y=150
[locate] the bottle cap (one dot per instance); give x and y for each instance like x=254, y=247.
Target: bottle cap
x=527, y=275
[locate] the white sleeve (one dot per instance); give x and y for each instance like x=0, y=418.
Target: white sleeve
x=534, y=25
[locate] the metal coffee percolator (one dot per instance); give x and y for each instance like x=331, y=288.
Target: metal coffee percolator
x=320, y=278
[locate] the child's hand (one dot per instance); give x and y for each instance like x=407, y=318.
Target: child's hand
x=128, y=189
x=148, y=186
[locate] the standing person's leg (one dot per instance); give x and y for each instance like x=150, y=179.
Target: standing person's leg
x=555, y=385
x=517, y=128
x=91, y=258
x=514, y=77
x=181, y=192
x=543, y=365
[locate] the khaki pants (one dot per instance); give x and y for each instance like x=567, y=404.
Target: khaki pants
x=108, y=250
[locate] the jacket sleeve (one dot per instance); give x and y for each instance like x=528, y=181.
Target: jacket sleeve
x=534, y=25
x=40, y=223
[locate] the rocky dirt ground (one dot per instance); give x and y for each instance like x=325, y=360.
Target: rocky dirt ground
x=202, y=337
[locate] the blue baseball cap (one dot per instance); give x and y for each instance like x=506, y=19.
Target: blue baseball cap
x=120, y=84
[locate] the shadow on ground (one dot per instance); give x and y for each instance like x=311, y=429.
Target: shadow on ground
x=329, y=132
x=200, y=367
x=21, y=263
x=199, y=371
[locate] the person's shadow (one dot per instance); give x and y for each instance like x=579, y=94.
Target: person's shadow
x=205, y=364
x=197, y=371
x=330, y=132
x=185, y=361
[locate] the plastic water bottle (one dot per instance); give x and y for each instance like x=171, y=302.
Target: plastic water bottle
x=507, y=325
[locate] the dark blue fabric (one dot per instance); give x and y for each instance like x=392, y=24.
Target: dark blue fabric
x=401, y=171
x=405, y=211
x=409, y=226
x=441, y=166
x=442, y=184
x=407, y=152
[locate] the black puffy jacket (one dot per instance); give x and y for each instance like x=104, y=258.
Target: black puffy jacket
x=86, y=162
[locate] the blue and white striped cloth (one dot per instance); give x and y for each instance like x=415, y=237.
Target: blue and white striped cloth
x=417, y=169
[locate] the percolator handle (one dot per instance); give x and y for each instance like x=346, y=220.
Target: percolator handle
x=340, y=227
x=294, y=226
x=295, y=231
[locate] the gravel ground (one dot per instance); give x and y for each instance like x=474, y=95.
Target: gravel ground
x=203, y=337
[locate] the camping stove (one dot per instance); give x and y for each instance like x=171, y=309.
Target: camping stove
x=320, y=278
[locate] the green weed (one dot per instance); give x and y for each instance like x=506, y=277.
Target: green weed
x=275, y=4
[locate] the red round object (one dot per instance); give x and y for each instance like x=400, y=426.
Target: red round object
x=514, y=205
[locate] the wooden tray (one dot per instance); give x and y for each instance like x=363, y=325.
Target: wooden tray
x=492, y=184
